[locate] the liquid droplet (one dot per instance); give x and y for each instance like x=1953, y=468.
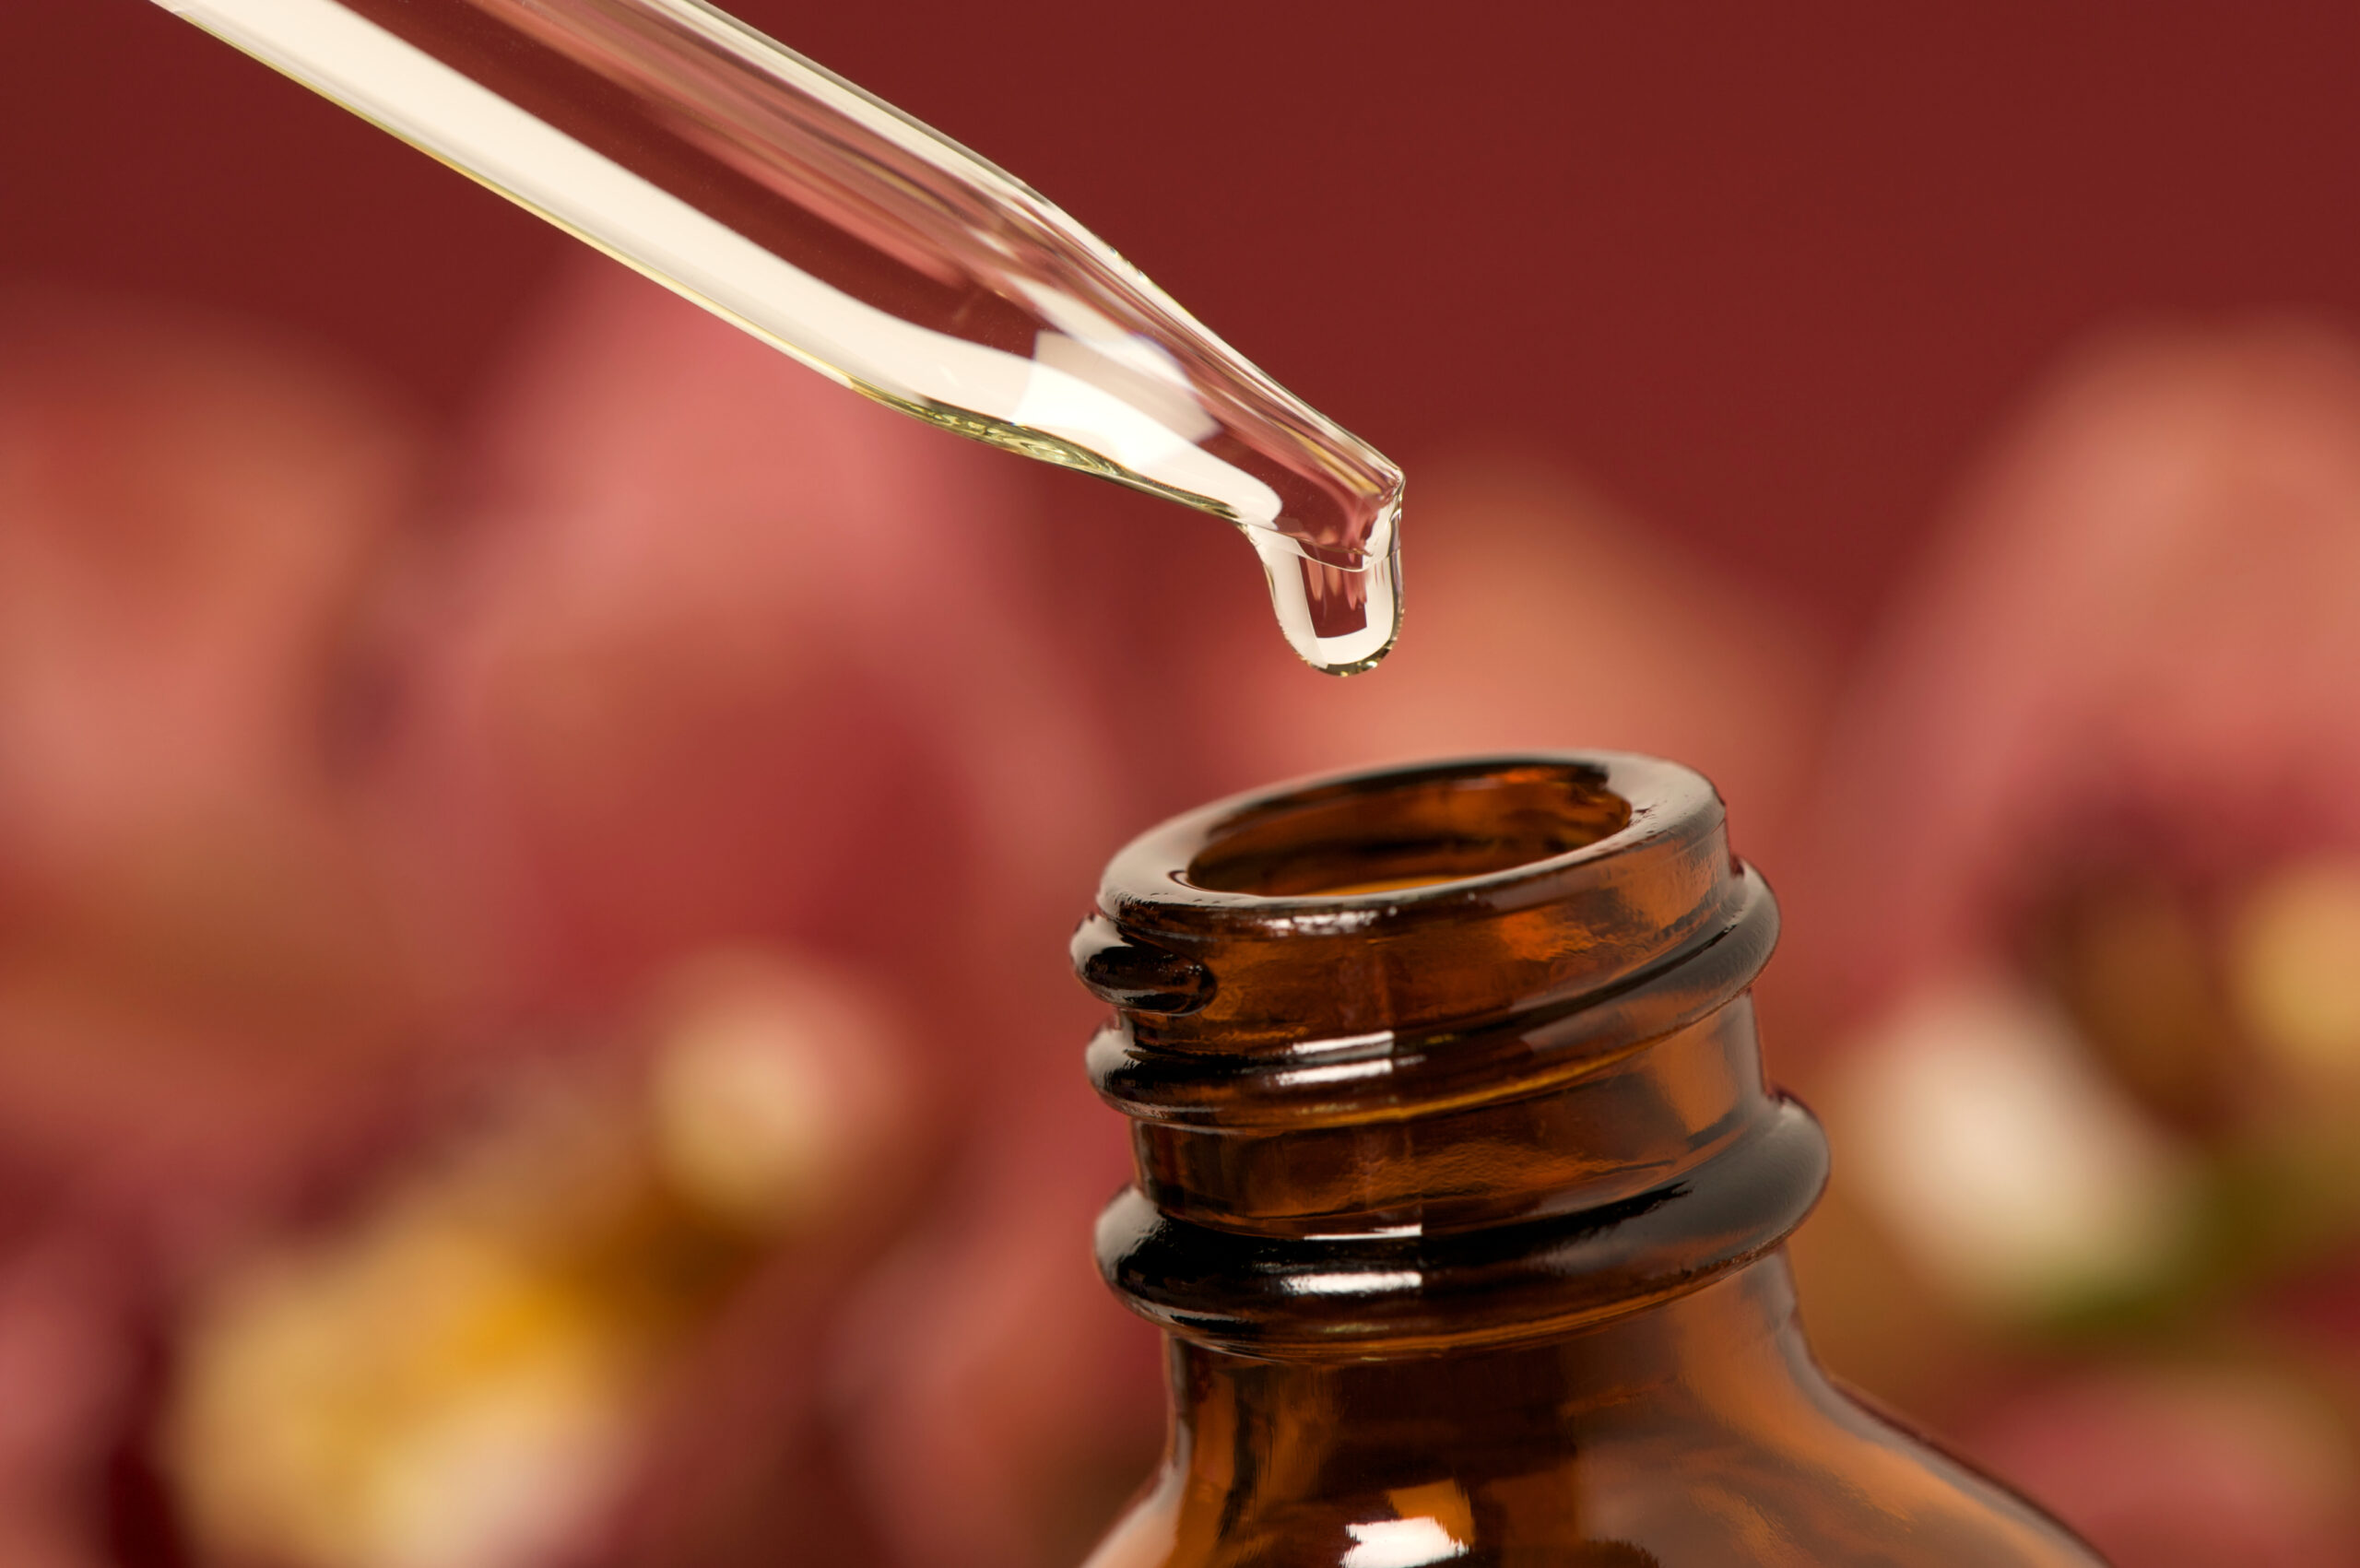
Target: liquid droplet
x=1341, y=618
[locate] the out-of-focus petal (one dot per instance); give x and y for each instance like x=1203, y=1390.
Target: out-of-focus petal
x=727, y=652
x=194, y=949
x=549, y=1336
x=187, y=514
x=2107, y=754
x=2005, y=1164
x=2143, y=626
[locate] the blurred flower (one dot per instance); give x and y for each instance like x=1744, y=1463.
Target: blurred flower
x=2136, y=650
x=461, y=1377
x=188, y=521
x=535, y=1028
x=431, y=1392
x=779, y=1097
x=725, y=655
x=2105, y=759
x=395, y=821
x=719, y=653
x=204, y=980
x=2006, y=1164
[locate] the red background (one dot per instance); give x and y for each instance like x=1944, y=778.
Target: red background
x=1765, y=274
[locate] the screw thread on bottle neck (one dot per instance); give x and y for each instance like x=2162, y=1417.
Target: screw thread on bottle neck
x=1439, y=1058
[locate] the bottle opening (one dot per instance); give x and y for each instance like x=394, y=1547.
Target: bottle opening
x=1398, y=832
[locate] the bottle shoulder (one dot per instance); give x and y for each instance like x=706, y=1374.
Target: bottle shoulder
x=1853, y=1491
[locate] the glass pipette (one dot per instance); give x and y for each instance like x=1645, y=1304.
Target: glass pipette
x=874, y=250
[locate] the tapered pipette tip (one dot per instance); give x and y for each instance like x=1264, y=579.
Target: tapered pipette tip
x=1341, y=618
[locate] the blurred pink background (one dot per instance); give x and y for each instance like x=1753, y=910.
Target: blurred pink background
x=536, y=838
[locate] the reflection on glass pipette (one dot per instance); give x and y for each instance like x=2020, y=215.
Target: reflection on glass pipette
x=781, y=196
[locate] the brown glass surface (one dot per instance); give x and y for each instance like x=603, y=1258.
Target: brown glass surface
x=1463, y=1196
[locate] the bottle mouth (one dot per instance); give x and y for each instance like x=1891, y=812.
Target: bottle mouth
x=1407, y=831
x=1407, y=898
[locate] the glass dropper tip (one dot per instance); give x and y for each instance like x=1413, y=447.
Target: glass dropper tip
x=1340, y=617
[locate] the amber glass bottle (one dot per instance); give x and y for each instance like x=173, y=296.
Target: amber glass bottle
x=1463, y=1199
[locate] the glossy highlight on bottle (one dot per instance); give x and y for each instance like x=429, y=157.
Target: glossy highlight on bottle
x=1463, y=1199
x=872, y=249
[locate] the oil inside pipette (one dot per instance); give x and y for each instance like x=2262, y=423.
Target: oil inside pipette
x=781, y=196
x=1321, y=507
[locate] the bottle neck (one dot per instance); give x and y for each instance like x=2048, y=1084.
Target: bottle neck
x=1439, y=1059
x=1257, y=1435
